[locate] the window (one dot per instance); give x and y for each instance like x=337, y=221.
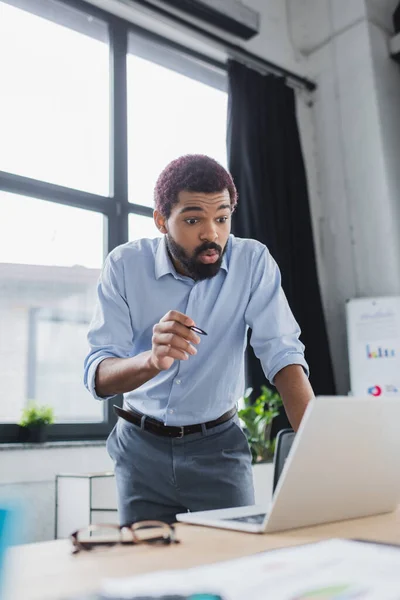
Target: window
x=47, y=294
x=57, y=349
x=47, y=234
x=54, y=101
x=140, y=227
x=78, y=163
x=170, y=113
x=177, y=104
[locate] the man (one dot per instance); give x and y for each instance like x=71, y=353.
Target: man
x=178, y=445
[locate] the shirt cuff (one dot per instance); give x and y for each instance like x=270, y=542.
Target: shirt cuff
x=91, y=379
x=289, y=359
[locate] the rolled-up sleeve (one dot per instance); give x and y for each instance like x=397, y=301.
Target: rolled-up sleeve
x=275, y=332
x=110, y=334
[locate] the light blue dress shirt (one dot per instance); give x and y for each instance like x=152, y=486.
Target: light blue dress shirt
x=139, y=285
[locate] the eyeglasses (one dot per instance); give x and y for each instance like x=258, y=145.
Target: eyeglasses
x=101, y=536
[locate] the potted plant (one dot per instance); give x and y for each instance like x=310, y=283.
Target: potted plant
x=257, y=418
x=34, y=422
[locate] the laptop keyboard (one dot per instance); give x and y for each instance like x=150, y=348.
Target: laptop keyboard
x=258, y=519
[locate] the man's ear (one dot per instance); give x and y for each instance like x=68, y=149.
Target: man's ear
x=160, y=221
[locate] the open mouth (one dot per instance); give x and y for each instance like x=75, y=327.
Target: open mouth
x=209, y=257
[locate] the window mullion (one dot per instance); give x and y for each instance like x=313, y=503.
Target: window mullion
x=118, y=230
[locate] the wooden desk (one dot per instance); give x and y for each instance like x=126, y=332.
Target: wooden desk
x=48, y=571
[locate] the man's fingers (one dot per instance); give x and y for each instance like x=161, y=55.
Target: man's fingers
x=176, y=328
x=175, y=341
x=174, y=315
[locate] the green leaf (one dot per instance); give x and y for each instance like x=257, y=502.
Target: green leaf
x=257, y=418
x=34, y=415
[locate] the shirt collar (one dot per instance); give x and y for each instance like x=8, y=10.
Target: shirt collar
x=163, y=263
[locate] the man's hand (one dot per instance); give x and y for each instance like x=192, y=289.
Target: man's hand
x=172, y=340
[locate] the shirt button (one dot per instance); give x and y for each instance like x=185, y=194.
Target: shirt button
x=178, y=381
x=171, y=410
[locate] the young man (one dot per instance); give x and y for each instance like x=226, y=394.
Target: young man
x=178, y=445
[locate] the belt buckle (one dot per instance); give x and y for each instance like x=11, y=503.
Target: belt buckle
x=181, y=433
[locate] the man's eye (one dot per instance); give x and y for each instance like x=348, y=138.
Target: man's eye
x=223, y=219
x=191, y=221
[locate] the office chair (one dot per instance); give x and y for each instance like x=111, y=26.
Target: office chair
x=284, y=441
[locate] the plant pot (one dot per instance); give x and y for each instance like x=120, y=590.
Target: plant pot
x=35, y=434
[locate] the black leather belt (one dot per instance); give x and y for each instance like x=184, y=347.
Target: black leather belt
x=158, y=428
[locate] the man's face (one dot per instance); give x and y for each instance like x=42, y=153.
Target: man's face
x=197, y=232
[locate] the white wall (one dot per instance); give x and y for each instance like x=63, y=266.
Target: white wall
x=28, y=475
x=387, y=87
x=274, y=43
x=356, y=125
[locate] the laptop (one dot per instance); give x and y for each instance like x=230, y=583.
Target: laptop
x=344, y=463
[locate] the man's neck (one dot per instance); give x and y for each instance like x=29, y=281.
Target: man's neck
x=179, y=268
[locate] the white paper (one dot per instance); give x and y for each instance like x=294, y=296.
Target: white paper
x=329, y=570
x=373, y=330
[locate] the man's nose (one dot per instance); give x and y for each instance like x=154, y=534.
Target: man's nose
x=209, y=234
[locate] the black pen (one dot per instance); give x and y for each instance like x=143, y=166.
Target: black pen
x=196, y=329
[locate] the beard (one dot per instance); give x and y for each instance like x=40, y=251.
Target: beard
x=191, y=263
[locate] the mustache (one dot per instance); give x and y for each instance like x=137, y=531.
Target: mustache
x=208, y=246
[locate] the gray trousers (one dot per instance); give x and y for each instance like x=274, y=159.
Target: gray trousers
x=158, y=477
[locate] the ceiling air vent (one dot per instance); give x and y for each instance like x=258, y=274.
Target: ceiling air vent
x=231, y=16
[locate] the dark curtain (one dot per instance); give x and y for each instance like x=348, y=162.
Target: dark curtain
x=266, y=163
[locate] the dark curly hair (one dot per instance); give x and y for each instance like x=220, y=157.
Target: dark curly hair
x=192, y=173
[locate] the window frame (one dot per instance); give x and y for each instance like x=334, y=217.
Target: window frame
x=123, y=35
